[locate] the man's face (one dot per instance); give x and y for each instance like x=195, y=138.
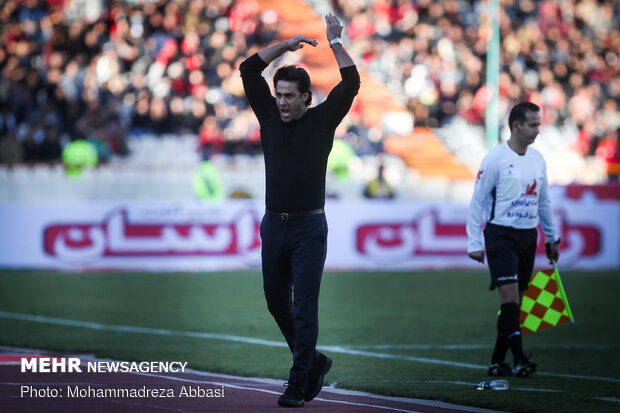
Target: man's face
x=527, y=130
x=290, y=101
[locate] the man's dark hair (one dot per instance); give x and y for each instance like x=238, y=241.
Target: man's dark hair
x=295, y=74
x=519, y=110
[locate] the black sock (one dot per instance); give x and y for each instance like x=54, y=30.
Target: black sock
x=511, y=328
x=501, y=344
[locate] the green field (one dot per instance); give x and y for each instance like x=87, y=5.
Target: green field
x=425, y=335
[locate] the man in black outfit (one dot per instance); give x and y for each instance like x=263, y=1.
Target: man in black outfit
x=296, y=142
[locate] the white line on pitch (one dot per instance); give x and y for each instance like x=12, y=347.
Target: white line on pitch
x=481, y=347
x=139, y=330
x=464, y=383
x=326, y=390
x=609, y=399
x=251, y=340
x=239, y=387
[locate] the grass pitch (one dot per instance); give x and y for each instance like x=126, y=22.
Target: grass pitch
x=424, y=334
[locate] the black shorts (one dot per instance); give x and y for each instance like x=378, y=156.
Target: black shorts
x=511, y=253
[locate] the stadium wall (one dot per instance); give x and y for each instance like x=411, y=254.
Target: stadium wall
x=195, y=236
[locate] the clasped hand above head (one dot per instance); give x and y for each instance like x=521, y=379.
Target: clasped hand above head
x=333, y=30
x=297, y=42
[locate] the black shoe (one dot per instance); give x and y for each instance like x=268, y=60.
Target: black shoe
x=293, y=396
x=525, y=368
x=501, y=369
x=315, y=378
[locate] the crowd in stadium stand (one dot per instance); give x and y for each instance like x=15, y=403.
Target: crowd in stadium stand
x=562, y=55
x=171, y=67
x=152, y=67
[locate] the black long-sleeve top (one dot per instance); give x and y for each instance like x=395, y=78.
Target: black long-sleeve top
x=296, y=152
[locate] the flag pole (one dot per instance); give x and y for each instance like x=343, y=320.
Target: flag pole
x=492, y=72
x=558, y=280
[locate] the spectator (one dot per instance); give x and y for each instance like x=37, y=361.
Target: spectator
x=379, y=187
x=78, y=155
x=550, y=51
x=11, y=152
x=207, y=183
x=129, y=66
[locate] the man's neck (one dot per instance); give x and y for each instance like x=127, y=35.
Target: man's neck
x=516, y=147
x=305, y=110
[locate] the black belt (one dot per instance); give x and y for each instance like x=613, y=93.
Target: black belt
x=285, y=216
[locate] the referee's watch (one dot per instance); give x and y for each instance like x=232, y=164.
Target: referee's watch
x=335, y=40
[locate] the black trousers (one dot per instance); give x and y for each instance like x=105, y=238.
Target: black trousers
x=293, y=257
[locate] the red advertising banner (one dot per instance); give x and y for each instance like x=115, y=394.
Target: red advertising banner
x=194, y=236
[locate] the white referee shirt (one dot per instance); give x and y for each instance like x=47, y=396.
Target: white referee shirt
x=512, y=191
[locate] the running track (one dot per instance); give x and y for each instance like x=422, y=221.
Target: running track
x=241, y=394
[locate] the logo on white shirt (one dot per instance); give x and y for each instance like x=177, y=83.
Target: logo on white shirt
x=530, y=190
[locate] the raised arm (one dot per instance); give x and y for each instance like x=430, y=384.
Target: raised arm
x=340, y=99
x=334, y=31
x=271, y=53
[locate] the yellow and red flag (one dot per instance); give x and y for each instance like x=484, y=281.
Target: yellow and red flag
x=544, y=303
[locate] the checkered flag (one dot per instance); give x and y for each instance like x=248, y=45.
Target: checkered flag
x=544, y=303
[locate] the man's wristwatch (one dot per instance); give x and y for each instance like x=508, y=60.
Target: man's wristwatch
x=334, y=41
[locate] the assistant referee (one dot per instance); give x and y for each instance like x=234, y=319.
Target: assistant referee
x=511, y=196
x=296, y=141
